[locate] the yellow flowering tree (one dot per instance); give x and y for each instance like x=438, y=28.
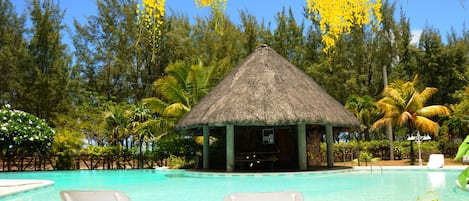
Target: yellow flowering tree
x=150, y=18
x=218, y=6
x=151, y=14
x=337, y=17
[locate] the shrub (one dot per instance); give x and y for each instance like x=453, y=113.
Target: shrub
x=22, y=131
x=178, y=162
x=66, y=146
x=175, y=145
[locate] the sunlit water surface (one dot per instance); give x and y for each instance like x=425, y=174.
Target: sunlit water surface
x=177, y=185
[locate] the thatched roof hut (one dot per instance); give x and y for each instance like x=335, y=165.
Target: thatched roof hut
x=268, y=106
x=266, y=89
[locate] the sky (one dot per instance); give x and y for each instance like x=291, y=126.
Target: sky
x=442, y=15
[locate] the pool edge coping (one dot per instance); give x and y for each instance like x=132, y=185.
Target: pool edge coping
x=351, y=169
x=10, y=187
x=408, y=167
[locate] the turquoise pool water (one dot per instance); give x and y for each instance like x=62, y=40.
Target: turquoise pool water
x=173, y=185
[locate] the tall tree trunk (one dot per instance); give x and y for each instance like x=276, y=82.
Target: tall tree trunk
x=412, y=157
x=140, y=158
x=389, y=126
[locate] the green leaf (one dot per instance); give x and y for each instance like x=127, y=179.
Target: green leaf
x=462, y=178
x=463, y=149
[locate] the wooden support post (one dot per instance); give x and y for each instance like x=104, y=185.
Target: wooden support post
x=229, y=147
x=206, y=151
x=330, y=146
x=302, y=157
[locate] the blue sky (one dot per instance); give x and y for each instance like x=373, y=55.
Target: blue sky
x=439, y=14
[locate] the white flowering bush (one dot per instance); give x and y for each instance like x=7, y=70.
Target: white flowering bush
x=23, y=131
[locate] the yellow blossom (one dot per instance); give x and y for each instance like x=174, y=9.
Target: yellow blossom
x=337, y=17
x=150, y=18
x=217, y=6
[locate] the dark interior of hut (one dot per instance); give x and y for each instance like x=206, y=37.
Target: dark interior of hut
x=265, y=148
x=257, y=148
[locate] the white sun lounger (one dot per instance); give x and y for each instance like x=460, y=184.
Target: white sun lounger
x=266, y=196
x=436, y=161
x=77, y=195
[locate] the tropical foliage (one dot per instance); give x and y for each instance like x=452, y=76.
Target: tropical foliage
x=458, y=125
x=181, y=89
x=463, y=151
x=67, y=145
x=365, y=109
x=20, y=130
x=137, y=69
x=404, y=105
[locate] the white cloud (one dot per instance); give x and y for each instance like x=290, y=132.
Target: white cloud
x=415, y=34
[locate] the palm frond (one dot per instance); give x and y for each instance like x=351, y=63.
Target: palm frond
x=419, y=99
x=397, y=84
x=407, y=90
x=392, y=96
x=381, y=123
x=352, y=104
x=415, y=80
x=197, y=82
x=404, y=118
x=157, y=128
x=115, y=116
x=434, y=110
x=155, y=104
x=426, y=125
x=428, y=93
x=386, y=104
x=168, y=87
x=176, y=110
x=108, y=115
x=390, y=110
x=179, y=71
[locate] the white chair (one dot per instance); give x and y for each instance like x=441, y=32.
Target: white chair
x=265, y=196
x=436, y=161
x=465, y=159
x=78, y=195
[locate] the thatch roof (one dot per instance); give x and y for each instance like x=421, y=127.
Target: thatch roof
x=266, y=89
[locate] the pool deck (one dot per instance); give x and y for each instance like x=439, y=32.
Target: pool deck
x=14, y=186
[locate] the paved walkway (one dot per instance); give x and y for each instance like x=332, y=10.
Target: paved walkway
x=13, y=186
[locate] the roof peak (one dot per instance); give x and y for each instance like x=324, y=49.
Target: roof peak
x=262, y=46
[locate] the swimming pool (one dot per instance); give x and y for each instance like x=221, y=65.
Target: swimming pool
x=177, y=185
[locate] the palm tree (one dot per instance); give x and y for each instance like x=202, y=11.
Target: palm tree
x=141, y=115
x=116, y=120
x=182, y=88
x=365, y=109
x=404, y=105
